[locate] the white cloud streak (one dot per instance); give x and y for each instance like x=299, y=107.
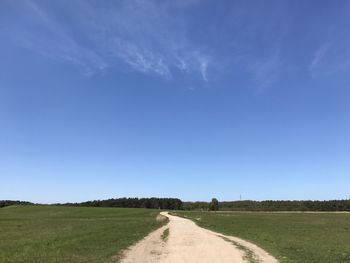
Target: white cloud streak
x=266, y=71
x=319, y=55
x=150, y=37
x=330, y=58
x=58, y=44
x=140, y=34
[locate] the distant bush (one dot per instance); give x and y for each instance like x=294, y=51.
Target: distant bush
x=214, y=205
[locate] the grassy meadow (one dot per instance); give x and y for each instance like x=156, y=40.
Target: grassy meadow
x=290, y=237
x=70, y=234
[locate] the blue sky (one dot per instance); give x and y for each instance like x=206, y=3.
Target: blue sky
x=188, y=99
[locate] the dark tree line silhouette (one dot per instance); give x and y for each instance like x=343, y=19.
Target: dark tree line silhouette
x=4, y=203
x=214, y=205
x=155, y=203
x=272, y=205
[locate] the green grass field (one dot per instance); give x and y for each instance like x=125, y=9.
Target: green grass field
x=70, y=234
x=296, y=237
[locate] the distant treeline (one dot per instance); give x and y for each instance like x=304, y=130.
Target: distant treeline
x=4, y=203
x=155, y=203
x=332, y=205
x=177, y=204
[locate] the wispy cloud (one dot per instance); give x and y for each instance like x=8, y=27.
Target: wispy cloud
x=319, y=55
x=139, y=59
x=204, y=69
x=140, y=34
x=162, y=38
x=265, y=71
x=330, y=58
x=49, y=38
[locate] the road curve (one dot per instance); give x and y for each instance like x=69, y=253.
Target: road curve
x=187, y=242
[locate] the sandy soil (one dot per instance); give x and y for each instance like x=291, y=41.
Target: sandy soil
x=189, y=243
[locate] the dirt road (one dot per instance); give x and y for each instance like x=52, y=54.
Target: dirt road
x=181, y=240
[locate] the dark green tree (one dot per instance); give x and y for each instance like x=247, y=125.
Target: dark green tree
x=214, y=205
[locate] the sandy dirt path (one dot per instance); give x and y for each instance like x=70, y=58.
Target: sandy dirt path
x=187, y=242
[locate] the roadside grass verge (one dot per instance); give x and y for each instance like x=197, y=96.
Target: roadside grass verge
x=165, y=235
x=290, y=237
x=249, y=255
x=71, y=234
